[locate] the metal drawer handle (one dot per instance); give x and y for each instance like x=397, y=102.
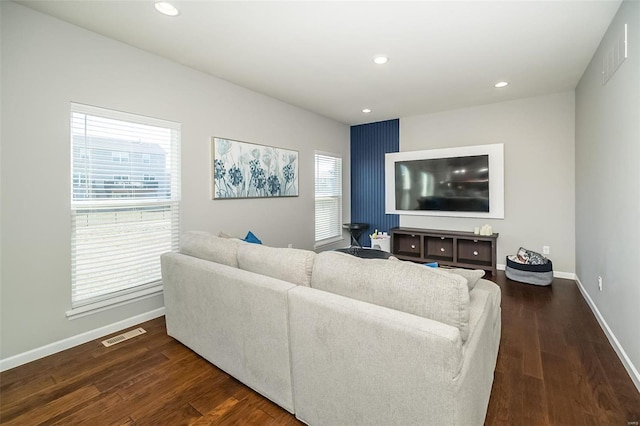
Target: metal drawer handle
x=441, y=248
x=442, y=238
x=475, y=253
x=413, y=246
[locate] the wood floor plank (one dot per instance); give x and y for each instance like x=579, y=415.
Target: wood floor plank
x=555, y=366
x=225, y=389
x=44, y=366
x=175, y=416
x=625, y=390
x=84, y=368
x=559, y=387
x=163, y=380
x=498, y=409
x=40, y=398
x=18, y=390
x=531, y=360
x=175, y=350
x=172, y=392
x=40, y=414
x=259, y=402
x=213, y=416
x=258, y=417
x=98, y=411
x=602, y=404
x=164, y=408
x=243, y=413
x=534, y=398
x=129, y=371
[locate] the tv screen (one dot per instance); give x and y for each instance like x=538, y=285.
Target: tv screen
x=458, y=184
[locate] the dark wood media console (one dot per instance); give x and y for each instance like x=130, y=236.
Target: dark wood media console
x=448, y=248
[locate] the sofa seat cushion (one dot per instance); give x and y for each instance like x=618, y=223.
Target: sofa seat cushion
x=287, y=264
x=205, y=246
x=411, y=288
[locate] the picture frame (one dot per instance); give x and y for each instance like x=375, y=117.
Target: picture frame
x=247, y=170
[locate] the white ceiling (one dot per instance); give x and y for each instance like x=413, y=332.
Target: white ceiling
x=318, y=55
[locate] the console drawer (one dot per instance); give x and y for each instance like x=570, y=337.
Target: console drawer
x=474, y=251
x=407, y=245
x=439, y=248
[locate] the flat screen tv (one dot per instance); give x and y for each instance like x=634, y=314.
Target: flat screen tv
x=466, y=181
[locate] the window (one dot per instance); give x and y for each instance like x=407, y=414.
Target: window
x=120, y=157
x=121, y=224
x=328, y=198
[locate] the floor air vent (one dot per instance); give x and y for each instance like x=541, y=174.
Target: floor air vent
x=124, y=336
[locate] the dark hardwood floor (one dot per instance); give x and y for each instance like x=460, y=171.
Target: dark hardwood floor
x=555, y=366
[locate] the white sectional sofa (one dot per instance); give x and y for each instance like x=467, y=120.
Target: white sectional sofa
x=335, y=339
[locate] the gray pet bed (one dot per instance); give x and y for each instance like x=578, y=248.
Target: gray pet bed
x=529, y=274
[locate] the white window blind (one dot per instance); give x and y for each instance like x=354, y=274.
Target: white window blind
x=328, y=198
x=125, y=198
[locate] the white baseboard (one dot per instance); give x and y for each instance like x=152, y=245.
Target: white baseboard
x=556, y=274
x=61, y=345
x=628, y=365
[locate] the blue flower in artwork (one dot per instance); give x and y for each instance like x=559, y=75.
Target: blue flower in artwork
x=254, y=166
x=273, y=184
x=235, y=175
x=219, y=169
x=288, y=172
x=258, y=178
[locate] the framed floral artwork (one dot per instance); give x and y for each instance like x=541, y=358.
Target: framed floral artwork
x=247, y=170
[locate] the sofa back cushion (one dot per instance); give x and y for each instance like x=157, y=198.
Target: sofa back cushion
x=471, y=275
x=406, y=287
x=209, y=247
x=287, y=264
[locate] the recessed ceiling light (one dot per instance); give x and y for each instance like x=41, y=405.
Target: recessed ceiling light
x=380, y=60
x=366, y=110
x=166, y=8
x=501, y=84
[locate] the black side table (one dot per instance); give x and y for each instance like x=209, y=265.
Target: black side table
x=365, y=253
x=355, y=230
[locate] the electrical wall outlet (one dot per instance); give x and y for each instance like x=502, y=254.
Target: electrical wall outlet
x=600, y=283
x=545, y=249
x=290, y=245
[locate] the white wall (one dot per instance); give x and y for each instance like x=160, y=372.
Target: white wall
x=538, y=138
x=46, y=64
x=608, y=186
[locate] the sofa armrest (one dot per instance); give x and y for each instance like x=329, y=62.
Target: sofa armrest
x=475, y=380
x=358, y=363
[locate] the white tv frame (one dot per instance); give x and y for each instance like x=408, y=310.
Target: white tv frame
x=496, y=178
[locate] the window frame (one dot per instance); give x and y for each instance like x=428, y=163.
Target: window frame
x=119, y=157
x=81, y=207
x=339, y=232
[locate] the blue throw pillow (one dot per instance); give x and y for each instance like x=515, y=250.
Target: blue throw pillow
x=251, y=238
x=431, y=264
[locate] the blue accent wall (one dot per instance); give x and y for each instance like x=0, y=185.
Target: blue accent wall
x=369, y=143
